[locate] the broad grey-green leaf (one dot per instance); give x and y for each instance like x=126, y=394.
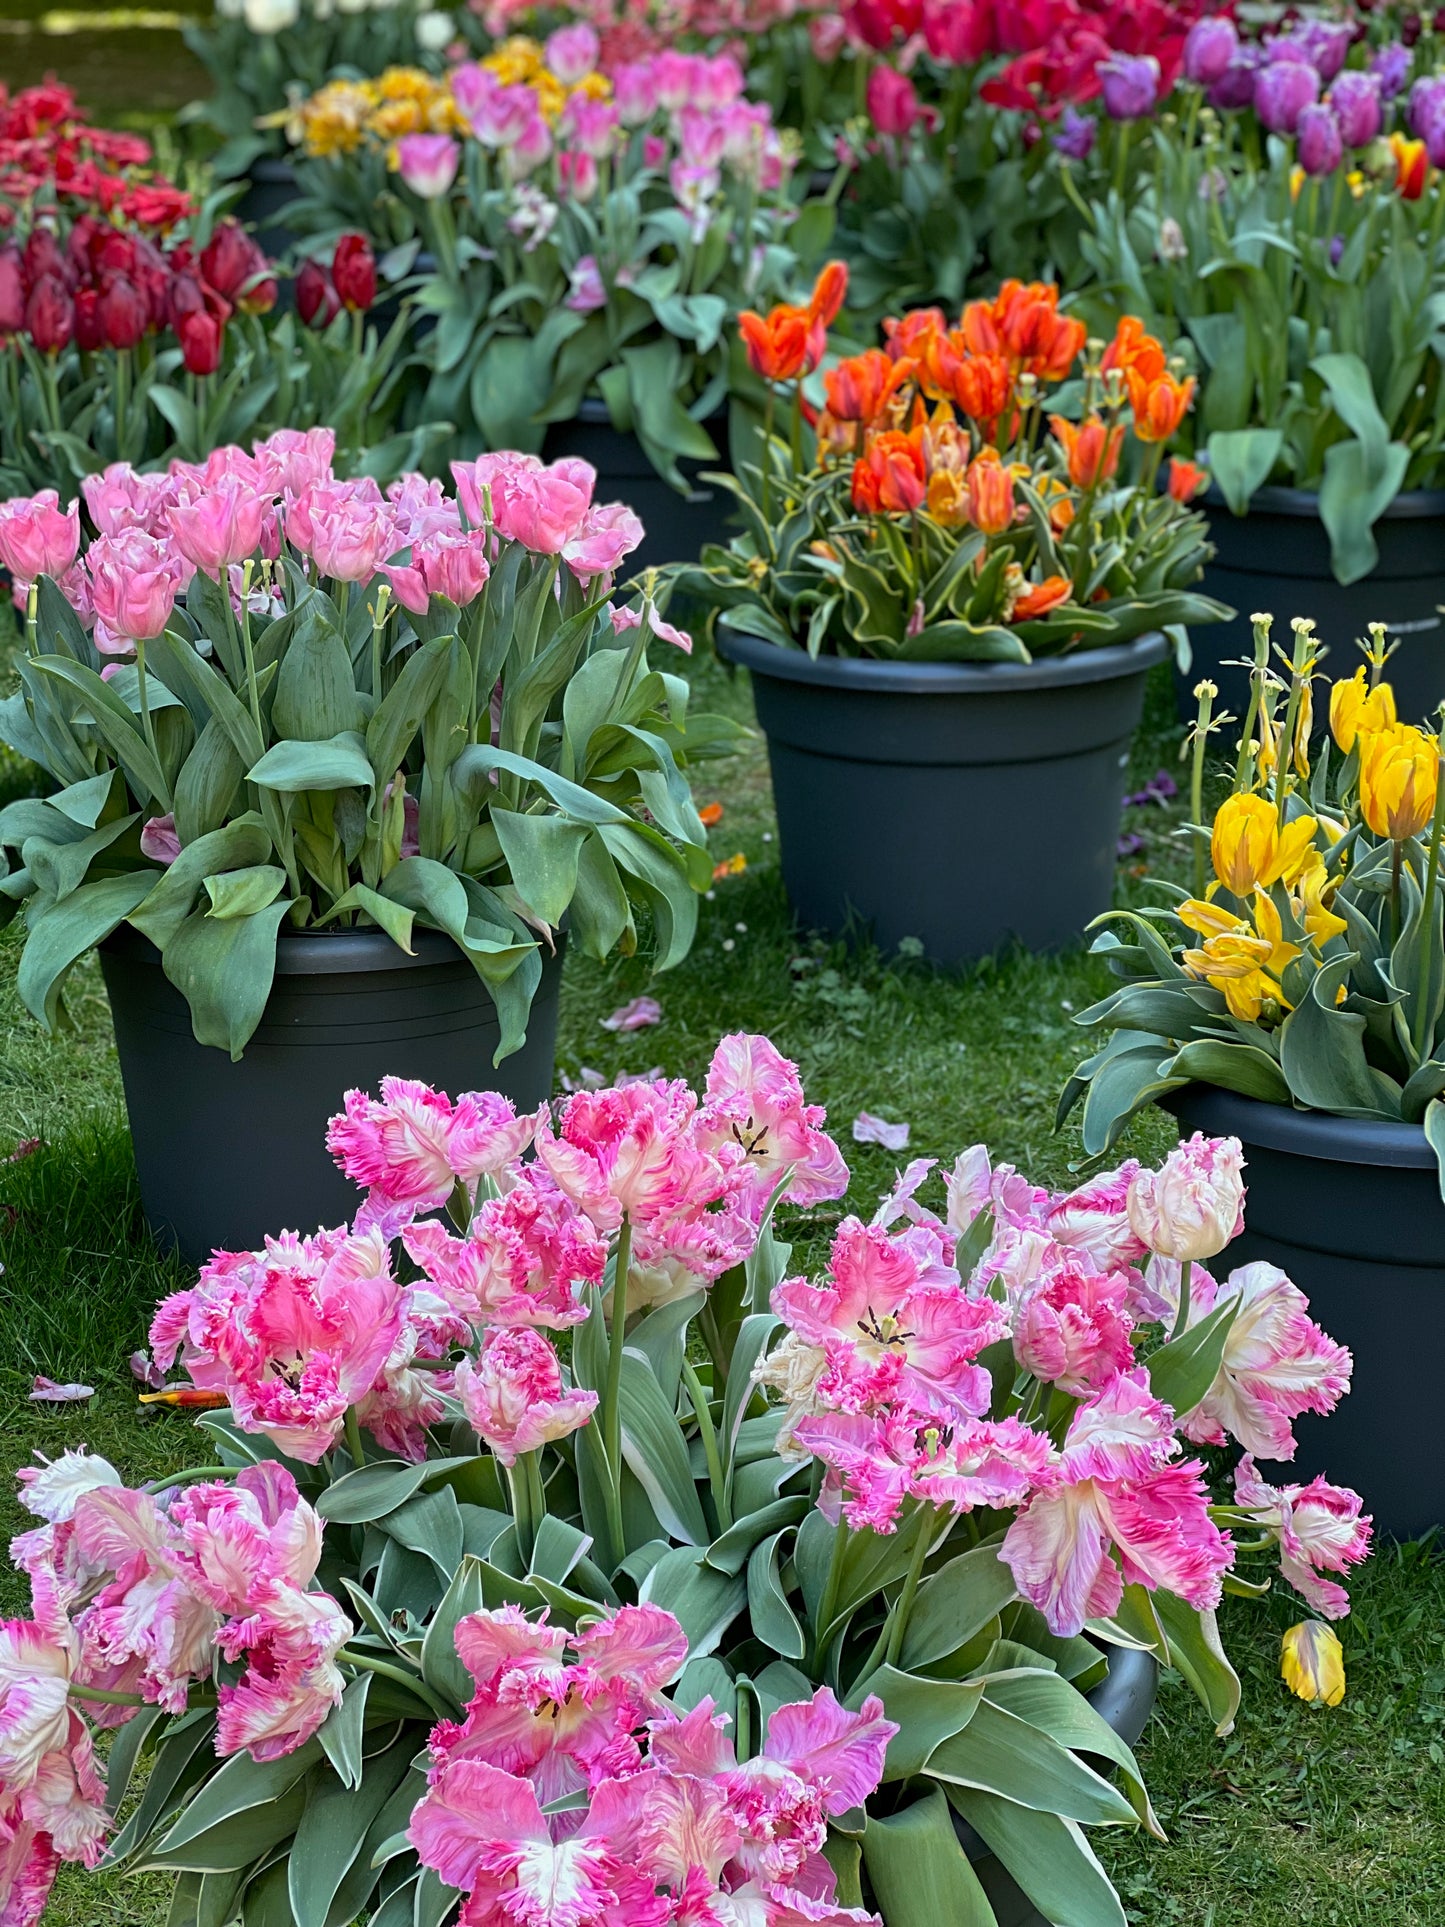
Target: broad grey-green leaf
x=84, y=802
x=927, y=1712
x=1050, y=1858
x=394, y=918
x=241, y=893
x=1005, y=1755
x=704, y=1602
x=1182, y=1371
x=440, y=1665
x=339, y=763
x=1050, y=1703
x=654, y=1447
x=340, y=1733
x=206, y=789
x=59, y=934
x=328, y=1839
x=59, y=868
x=395, y=723
x=237, y=846
x=316, y=699
x=919, y=1872
x=954, y=1604
x=239, y=1785
x=771, y=1614
x=225, y=970
x=542, y=854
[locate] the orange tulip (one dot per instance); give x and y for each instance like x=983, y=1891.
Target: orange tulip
x=1133, y=347
x=990, y=493
x=1033, y=334
x=890, y=476
x=829, y=291
x=1186, y=478
x=1159, y=405
x=1040, y=597
x=859, y=387
x=983, y=388
x=783, y=344
x=947, y=497
x=914, y=332
x=979, y=329
x=1412, y=167
x=1091, y=448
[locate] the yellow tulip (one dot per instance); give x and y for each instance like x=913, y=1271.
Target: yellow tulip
x=1270, y=927
x=1312, y=1663
x=1249, y=847
x=1353, y=708
x=1319, y=920
x=1399, y=771
x=1234, y=962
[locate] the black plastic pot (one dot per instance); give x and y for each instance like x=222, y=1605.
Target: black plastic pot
x=1351, y=1209
x=271, y=188
x=228, y=1152
x=1277, y=558
x=961, y=804
x=677, y=525
x=1125, y=1699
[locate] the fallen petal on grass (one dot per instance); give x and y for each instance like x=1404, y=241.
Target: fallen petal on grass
x=45, y=1391
x=637, y=1015
x=868, y=1129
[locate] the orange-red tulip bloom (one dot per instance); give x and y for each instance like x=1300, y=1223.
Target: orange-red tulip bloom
x=859, y=388
x=1412, y=167
x=1092, y=449
x=890, y=476
x=1159, y=405
x=1133, y=347
x=782, y=344
x=829, y=292
x=1186, y=478
x=1040, y=597
x=990, y=494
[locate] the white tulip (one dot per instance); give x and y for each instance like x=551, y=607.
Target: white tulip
x=434, y=31
x=271, y=16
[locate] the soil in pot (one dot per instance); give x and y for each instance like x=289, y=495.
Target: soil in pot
x=1277, y=558
x=1351, y=1209
x=1125, y=1698
x=960, y=804
x=677, y=526
x=227, y=1152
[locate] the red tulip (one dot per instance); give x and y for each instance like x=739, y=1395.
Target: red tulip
x=353, y=273
x=202, y=336
x=50, y=314
x=316, y=299
x=12, y=292
x=89, y=328
x=123, y=312
x=236, y=268
x=42, y=257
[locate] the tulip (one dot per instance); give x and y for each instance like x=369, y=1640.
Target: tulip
x=1091, y=448
x=573, y=53
x=89, y=331
x=230, y=260
x=1412, y=167
x=1209, y=47
x=1282, y=91
x=1250, y=850
x=37, y=536
x=830, y=290
x=1399, y=770
x=577, y=176
x=1355, y=98
x=12, y=291
x=202, y=337
x=1159, y=405
x=1321, y=143
x=317, y=302
x=990, y=493
x=893, y=104
x=890, y=476
x=1235, y=86
x=593, y=125
x=43, y=256
x=219, y=525
x=1131, y=85
x=428, y=164
x=1186, y=478
x=1075, y=135
x=1391, y=67
x=983, y=387
x=122, y=313
x=50, y=315
x=1193, y=1205
x=858, y=388
x=353, y=273
x=1355, y=709
x=134, y=580
x=1312, y=1663
x=780, y=346
x=587, y=290
x=1041, y=598
x=957, y=33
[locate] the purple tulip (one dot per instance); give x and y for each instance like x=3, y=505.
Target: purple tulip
x=1317, y=44
x=1321, y=145
x=1425, y=98
x=1235, y=86
x=1282, y=91
x=1391, y=67
x=1131, y=85
x=1074, y=135
x=1355, y=99
x=1337, y=250
x=1431, y=128
x=1209, y=48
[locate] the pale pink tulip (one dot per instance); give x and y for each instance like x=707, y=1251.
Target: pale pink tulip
x=754, y=1101
x=609, y=532
x=513, y=1396
x=573, y=52
x=1193, y=1205
x=37, y=536
x=1095, y=1218
x=119, y=499
x=428, y=164
x=134, y=582
x=219, y=524
x=454, y=566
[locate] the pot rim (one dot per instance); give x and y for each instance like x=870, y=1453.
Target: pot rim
x=1305, y=1134
x=595, y=412
x=332, y=953
x=1278, y=498
x=1109, y=664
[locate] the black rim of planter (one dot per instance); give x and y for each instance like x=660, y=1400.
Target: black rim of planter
x=1306, y=1134
x=1276, y=498
x=944, y=678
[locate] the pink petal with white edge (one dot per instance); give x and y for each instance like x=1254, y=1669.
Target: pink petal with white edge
x=45, y=1391
x=470, y=1807
x=838, y=1752
x=868, y=1129
x=637, y=1015
x=642, y=1645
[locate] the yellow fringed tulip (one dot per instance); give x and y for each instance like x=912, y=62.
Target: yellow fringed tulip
x=1250, y=849
x=1312, y=1663
x=1235, y=962
x=1399, y=769
x=1353, y=708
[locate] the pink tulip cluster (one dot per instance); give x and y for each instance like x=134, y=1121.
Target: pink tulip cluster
x=155, y=532
x=674, y=1827
x=880, y=1372
x=134, y=1594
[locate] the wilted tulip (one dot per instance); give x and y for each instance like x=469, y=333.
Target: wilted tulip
x=1312, y=1663
x=1355, y=708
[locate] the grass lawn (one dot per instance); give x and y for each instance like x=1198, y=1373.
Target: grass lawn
x=1303, y=1818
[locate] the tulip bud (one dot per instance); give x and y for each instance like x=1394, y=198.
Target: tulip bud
x=201, y=336
x=1312, y=1663
x=1321, y=145
x=89, y=329
x=122, y=312
x=12, y=292
x=50, y=314
x=1193, y=1205
x=353, y=274
x=316, y=300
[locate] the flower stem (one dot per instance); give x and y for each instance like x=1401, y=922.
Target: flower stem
x=1206, y=692
x=1423, y=995
x=399, y=1677
x=194, y=1472
x=903, y=1605
x=708, y=1434
x=103, y=1698
x=828, y=1603
x=768, y=454
x=1181, y=1321
x=145, y=716
x=613, y=1403
x=523, y=1519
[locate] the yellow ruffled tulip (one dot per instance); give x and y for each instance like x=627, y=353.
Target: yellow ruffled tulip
x=1399, y=770
x=1315, y=884
x=1312, y=1663
x=1354, y=707
x=1250, y=849
x=1235, y=963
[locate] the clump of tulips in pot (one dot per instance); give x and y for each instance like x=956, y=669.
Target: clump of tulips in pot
x=725, y=1619
x=267, y=697
x=1304, y=968
x=940, y=506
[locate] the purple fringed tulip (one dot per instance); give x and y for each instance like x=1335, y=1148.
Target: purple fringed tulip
x=1425, y=98
x=1317, y=44
x=1391, y=67
x=1074, y=135
x=1282, y=91
x=1235, y=86
x=1355, y=99
x=1131, y=85
x=1321, y=145
x=1211, y=45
